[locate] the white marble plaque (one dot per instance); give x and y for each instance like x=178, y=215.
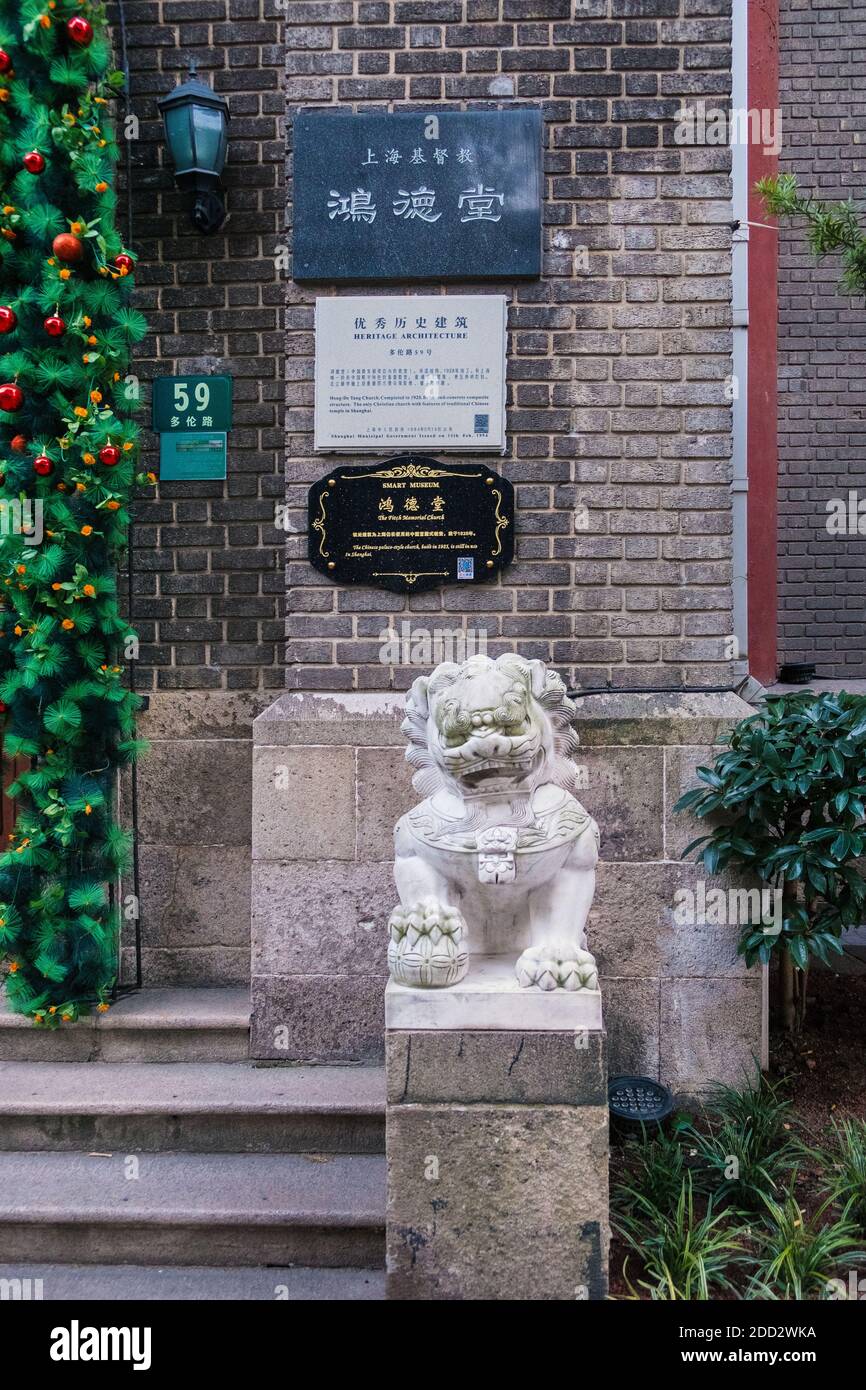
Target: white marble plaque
x=410, y=372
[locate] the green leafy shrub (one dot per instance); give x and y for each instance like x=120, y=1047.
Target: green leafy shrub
x=747, y=1149
x=684, y=1255
x=655, y=1166
x=797, y=1255
x=791, y=790
x=843, y=1166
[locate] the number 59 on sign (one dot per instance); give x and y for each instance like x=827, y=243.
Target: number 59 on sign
x=192, y=403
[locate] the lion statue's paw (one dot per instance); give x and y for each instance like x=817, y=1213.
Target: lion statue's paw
x=427, y=945
x=557, y=965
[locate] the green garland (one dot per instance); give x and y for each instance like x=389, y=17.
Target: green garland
x=68, y=452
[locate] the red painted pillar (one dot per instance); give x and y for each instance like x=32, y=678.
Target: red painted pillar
x=762, y=441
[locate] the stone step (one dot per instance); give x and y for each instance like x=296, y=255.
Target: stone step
x=124, y=1283
x=204, y=1107
x=155, y=1025
x=323, y=1210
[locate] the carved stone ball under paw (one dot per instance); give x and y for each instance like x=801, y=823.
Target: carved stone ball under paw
x=427, y=945
x=557, y=965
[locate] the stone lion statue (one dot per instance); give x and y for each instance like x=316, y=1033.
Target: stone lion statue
x=500, y=856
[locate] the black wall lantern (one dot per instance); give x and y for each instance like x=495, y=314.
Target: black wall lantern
x=196, y=131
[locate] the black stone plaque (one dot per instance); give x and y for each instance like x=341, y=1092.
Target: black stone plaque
x=411, y=523
x=444, y=195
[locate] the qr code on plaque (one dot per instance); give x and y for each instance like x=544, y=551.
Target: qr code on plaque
x=482, y=424
x=466, y=567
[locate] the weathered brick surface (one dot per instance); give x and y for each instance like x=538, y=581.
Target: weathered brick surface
x=208, y=562
x=616, y=371
x=616, y=395
x=822, y=345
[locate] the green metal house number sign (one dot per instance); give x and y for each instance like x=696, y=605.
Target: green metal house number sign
x=192, y=415
x=192, y=403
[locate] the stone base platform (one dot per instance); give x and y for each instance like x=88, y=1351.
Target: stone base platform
x=490, y=998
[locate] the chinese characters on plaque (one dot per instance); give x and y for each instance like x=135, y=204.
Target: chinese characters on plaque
x=445, y=195
x=417, y=372
x=411, y=523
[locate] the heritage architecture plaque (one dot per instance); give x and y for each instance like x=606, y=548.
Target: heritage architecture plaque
x=444, y=195
x=411, y=523
x=414, y=372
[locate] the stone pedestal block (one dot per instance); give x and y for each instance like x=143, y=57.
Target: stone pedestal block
x=497, y=1146
x=194, y=817
x=329, y=779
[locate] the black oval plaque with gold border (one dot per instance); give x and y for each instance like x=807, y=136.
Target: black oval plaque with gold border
x=411, y=523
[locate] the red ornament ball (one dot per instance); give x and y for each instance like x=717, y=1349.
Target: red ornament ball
x=67, y=247
x=54, y=326
x=79, y=30
x=43, y=465
x=8, y=318
x=3, y=706
x=34, y=162
x=109, y=454
x=124, y=262
x=19, y=443
x=5, y=61
x=11, y=396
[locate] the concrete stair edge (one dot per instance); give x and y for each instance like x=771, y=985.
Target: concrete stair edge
x=208, y=1188
x=187, y=1088
x=175, y=1008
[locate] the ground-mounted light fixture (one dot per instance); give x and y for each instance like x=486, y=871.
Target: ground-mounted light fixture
x=196, y=131
x=638, y=1100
